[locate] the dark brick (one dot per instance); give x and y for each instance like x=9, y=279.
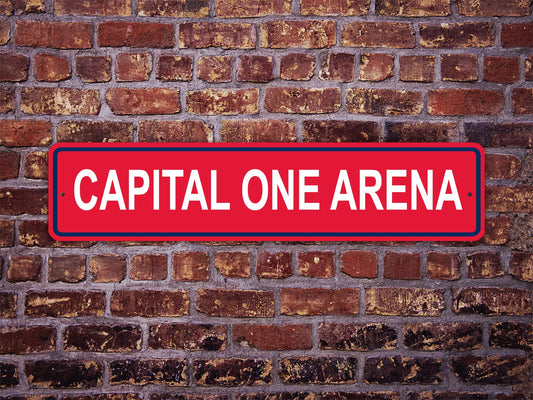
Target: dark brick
x=522, y=103
x=447, y=396
x=512, y=335
x=223, y=101
x=404, y=301
x=108, y=268
x=338, y=67
x=521, y=266
x=174, y=131
x=360, y=396
x=9, y=376
x=135, y=34
x=14, y=201
x=131, y=67
x=443, y=266
x=236, y=303
x=7, y=233
x=173, y=8
x=517, y=198
x=69, y=269
x=257, y=130
x=318, y=370
x=306, y=34
x=120, y=8
x=65, y=304
x=317, y=301
x=9, y=165
x=298, y=100
x=465, y=101
x=334, y=7
x=484, y=265
x=502, y=166
x=383, y=101
x=94, y=131
x=529, y=68
x=184, y=396
x=232, y=372
x=123, y=101
x=150, y=303
x=417, y=68
x=27, y=340
x=501, y=69
x=316, y=264
x=491, y=301
x=359, y=264
x=491, y=370
x=8, y=305
x=7, y=100
x=103, y=396
x=278, y=396
x=457, y=35
x=36, y=166
x=216, y=34
x=402, y=266
x=251, y=8
x=187, y=337
x=340, y=131
x=413, y=8
x=190, y=266
x=442, y=336
x=151, y=267
x=491, y=8
x=404, y=370
x=255, y=68
x=19, y=7
x=24, y=268
x=93, y=68
x=421, y=132
x=500, y=134
x=4, y=32
x=273, y=337
x=297, y=67
x=174, y=68
x=356, y=337
x=215, y=69
x=273, y=265
x=103, y=338
x=144, y=372
x=56, y=374
x=25, y=133
x=458, y=67
x=517, y=35
x=396, y=35
x=14, y=67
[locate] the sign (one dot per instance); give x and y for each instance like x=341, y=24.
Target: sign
x=266, y=191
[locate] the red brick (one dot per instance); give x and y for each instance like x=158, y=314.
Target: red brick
x=421, y=132
x=19, y=7
x=517, y=35
x=8, y=305
x=404, y=301
x=297, y=67
x=133, y=67
x=413, y=8
x=216, y=34
x=14, y=67
x=150, y=303
x=135, y=34
x=174, y=68
x=273, y=265
x=305, y=34
x=152, y=267
x=255, y=130
x=338, y=67
x=68, y=374
x=272, y=337
x=402, y=266
x=318, y=370
x=254, y=68
x=522, y=103
x=7, y=233
x=59, y=101
x=375, y=67
x=187, y=8
x=404, y=370
x=334, y=7
x=457, y=35
x=491, y=369
x=69, y=269
x=124, y=101
x=529, y=68
x=443, y=336
x=521, y=266
x=7, y=100
x=417, y=68
x=93, y=68
x=508, y=199
x=251, y=8
x=35, y=233
x=233, y=264
x=9, y=165
x=120, y=8
x=484, y=265
x=497, y=230
x=103, y=338
x=36, y=166
x=232, y=372
x=397, y=35
x=51, y=68
x=465, y=102
x=174, y=131
x=188, y=337
x=458, y=67
x=215, y=69
x=235, y=303
x=190, y=266
x=94, y=131
x=383, y=101
x=24, y=268
x=15, y=201
x=501, y=69
x=4, y=32
x=443, y=266
x=340, y=131
x=58, y=35
x=223, y=101
x=64, y=304
x=300, y=100
x=356, y=337
x=108, y=268
x=316, y=264
x=169, y=372
x=502, y=166
x=27, y=340
x=300, y=301
x=359, y=264
x=491, y=301
x=493, y=8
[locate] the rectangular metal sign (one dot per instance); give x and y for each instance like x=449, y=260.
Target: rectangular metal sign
x=266, y=191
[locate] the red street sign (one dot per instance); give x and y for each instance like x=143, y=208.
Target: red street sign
x=266, y=191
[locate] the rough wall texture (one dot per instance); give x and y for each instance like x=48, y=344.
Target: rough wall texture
x=269, y=320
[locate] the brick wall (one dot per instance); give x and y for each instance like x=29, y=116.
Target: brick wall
x=266, y=320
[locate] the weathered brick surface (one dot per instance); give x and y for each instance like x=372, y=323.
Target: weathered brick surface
x=255, y=69
x=223, y=101
x=151, y=267
x=316, y=264
x=14, y=67
x=8, y=303
x=190, y=266
x=64, y=303
x=464, y=101
x=318, y=370
x=187, y=337
x=522, y=101
x=9, y=165
x=402, y=266
x=93, y=68
x=501, y=69
x=359, y=264
x=7, y=233
x=124, y=101
x=417, y=68
x=173, y=131
x=458, y=67
x=383, y=101
x=489, y=8
x=413, y=8
x=253, y=130
x=170, y=372
x=421, y=132
x=398, y=35
x=405, y=370
x=305, y=34
x=232, y=372
x=24, y=268
x=502, y=166
x=7, y=101
x=64, y=374
x=236, y=303
x=513, y=335
x=107, y=268
x=135, y=34
x=335, y=7
x=94, y=131
x=224, y=35
x=297, y=67
x=491, y=369
x=443, y=266
x=35, y=233
x=69, y=269
x=252, y=8
x=356, y=337
x=517, y=35
x=273, y=265
x=58, y=35
x=500, y=134
x=8, y=375
x=491, y=301
x=273, y=337
x=338, y=67
x=442, y=336
x=150, y=303
x=27, y=340
x=302, y=100
x=458, y=35
x=51, y=68
x=404, y=301
x=484, y=265
x=215, y=69
x=62, y=101
x=376, y=67
x=340, y=131
x=521, y=266
x=174, y=68
x=102, y=338
x=132, y=67
x=93, y=7
x=233, y=264
x=503, y=198
x=188, y=8
x=296, y=301
x=5, y=31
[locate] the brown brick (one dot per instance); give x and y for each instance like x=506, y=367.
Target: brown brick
x=215, y=69
x=502, y=166
x=421, y=132
x=522, y=103
x=216, y=34
x=58, y=35
x=334, y=7
x=501, y=69
x=497, y=230
x=338, y=67
x=402, y=266
x=273, y=265
x=417, y=68
x=508, y=199
x=254, y=130
x=223, y=101
x=14, y=201
x=340, y=131
x=187, y=337
x=36, y=166
x=512, y=396
x=69, y=269
x=306, y=34
x=35, y=233
x=169, y=372
x=251, y=8
x=255, y=68
x=151, y=267
x=7, y=233
x=380, y=395
x=512, y=335
x=123, y=101
x=150, y=303
x=447, y=395
x=458, y=67
x=102, y=338
x=273, y=337
x=14, y=67
x=94, y=131
x=174, y=8
x=443, y=336
x=233, y=264
x=232, y=372
x=404, y=301
x=300, y=301
x=517, y=35
x=108, y=268
x=297, y=67
x=279, y=396
x=452, y=35
x=484, y=265
x=185, y=396
x=24, y=268
x=491, y=369
x=120, y=8
x=27, y=340
x=135, y=34
x=493, y=8
x=465, y=102
x=8, y=375
x=9, y=165
x=71, y=374
x=93, y=68
x=235, y=303
x=413, y=8
x=7, y=100
x=4, y=32
x=383, y=101
x=396, y=35
x=529, y=68
x=104, y=396
x=316, y=264
x=356, y=337
x=133, y=67
x=190, y=266
x=174, y=131
x=64, y=304
x=174, y=68
x=521, y=266
x=491, y=301
x=359, y=264
x=404, y=370
x=500, y=134
x=299, y=100
x=318, y=370
x=375, y=67
x=59, y=101
x=443, y=266
x=8, y=305
x=51, y=68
